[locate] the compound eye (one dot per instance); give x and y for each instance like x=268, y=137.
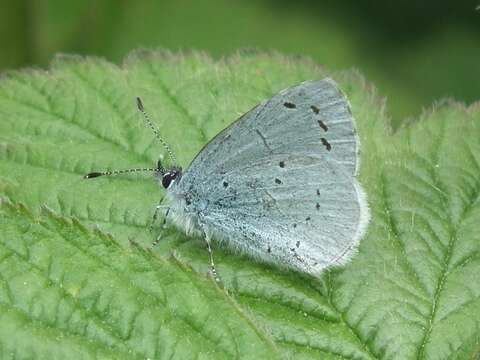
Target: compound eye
x=167, y=179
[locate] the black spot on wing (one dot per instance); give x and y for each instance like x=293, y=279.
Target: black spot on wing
x=281, y=164
x=289, y=105
x=317, y=206
x=326, y=144
x=318, y=192
x=225, y=184
x=322, y=125
x=278, y=181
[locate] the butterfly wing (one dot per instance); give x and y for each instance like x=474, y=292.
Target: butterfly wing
x=297, y=118
x=280, y=181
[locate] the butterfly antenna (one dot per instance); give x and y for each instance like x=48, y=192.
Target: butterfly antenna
x=155, y=130
x=118, y=172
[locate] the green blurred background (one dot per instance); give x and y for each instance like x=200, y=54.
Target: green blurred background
x=414, y=51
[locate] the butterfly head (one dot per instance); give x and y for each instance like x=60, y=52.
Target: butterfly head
x=171, y=176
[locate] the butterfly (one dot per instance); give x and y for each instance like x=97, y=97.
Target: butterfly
x=278, y=185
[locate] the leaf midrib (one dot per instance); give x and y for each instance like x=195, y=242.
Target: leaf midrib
x=454, y=228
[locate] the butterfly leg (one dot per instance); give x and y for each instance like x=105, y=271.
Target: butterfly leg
x=155, y=214
x=212, y=264
x=159, y=237
x=154, y=219
x=210, y=254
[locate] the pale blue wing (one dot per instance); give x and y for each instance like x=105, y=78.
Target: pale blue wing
x=280, y=184
x=320, y=123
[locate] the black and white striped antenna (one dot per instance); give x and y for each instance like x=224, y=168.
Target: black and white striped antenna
x=155, y=130
x=159, y=167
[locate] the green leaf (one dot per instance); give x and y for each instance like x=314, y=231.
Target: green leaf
x=74, y=293
x=70, y=291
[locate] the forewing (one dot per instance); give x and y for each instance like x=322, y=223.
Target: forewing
x=311, y=118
